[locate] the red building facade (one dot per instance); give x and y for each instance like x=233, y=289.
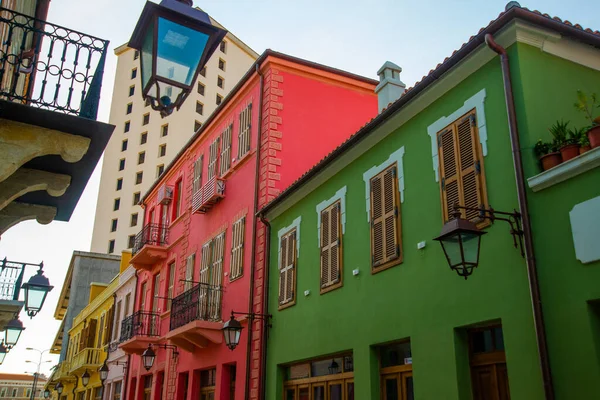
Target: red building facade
x=200, y=255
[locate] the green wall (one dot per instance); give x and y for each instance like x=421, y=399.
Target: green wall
x=420, y=299
x=545, y=92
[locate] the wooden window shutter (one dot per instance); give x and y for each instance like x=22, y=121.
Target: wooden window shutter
x=189, y=271
x=461, y=168
x=109, y=325
x=197, y=183
x=82, y=339
x=99, y=342
x=385, y=217
x=218, y=252
x=244, y=131
x=287, y=270
x=91, y=333
x=213, y=159
x=205, y=263
x=225, y=163
x=237, y=248
x=331, y=245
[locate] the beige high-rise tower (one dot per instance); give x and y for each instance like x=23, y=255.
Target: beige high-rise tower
x=143, y=143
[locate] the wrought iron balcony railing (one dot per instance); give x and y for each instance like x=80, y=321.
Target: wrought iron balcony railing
x=153, y=234
x=202, y=302
x=140, y=323
x=11, y=278
x=112, y=347
x=49, y=66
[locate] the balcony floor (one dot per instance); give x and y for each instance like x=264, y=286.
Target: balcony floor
x=148, y=256
x=196, y=335
x=137, y=344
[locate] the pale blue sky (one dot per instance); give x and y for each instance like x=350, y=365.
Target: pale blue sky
x=353, y=35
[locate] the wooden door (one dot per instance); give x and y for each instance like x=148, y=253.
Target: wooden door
x=335, y=390
x=318, y=391
x=490, y=382
x=397, y=386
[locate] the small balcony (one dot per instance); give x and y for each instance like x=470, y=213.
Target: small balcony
x=138, y=330
x=88, y=358
x=196, y=317
x=150, y=246
x=210, y=193
x=62, y=372
x=11, y=278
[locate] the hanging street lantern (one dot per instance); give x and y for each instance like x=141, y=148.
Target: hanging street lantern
x=175, y=41
x=3, y=352
x=103, y=372
x=85, y=378
x=148, y=357
x=46, y=393
x=12, y=332
x=59, y=388
x=232, y=331
x=460, y=240
x=334, y=367
x=36, y=290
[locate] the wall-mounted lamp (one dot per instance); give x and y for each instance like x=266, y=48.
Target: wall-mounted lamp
x=461, y=239
x=148, y=356
x=232, y=329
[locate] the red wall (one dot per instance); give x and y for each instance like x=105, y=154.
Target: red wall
x=307, y=112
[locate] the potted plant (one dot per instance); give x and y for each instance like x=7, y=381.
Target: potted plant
x=587, y=105
x=547, y=154
x=566, y=143
x=584, y=142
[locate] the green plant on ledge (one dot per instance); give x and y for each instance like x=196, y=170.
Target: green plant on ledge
x=542, y=148
x=586, y=104
x=560, y=132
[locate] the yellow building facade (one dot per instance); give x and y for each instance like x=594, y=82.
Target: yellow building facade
x=87, y=349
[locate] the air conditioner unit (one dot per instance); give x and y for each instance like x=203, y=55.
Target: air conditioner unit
x=165, y=194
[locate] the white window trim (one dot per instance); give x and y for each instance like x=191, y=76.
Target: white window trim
x=283, y=231
x=477, y=102
x=395, y=157
x=340, y=196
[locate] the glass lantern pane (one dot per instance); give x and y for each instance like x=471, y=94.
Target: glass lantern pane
x=179, y=51
x=2, y=355
x=35, y=297
x=451, y=246
x=12, y=336
x=470, y=244
x=146, y=60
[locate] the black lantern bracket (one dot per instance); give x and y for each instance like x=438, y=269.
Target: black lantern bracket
x=171, y=347
x=253, y=316
x=512, y=218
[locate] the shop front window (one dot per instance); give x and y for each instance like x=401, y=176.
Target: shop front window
x=396, y=371
x=322, y=379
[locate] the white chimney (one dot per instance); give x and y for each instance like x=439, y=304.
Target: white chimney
x=390, y=86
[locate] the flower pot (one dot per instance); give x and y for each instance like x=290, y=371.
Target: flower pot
x=550, y=160
x=583, y=149
x=569, y=151
x=594, y=136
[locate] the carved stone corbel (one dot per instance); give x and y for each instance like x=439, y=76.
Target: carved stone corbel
x=26, y=180
x=18, y=212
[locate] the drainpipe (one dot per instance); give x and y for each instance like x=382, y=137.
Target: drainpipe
x=263, y=357
x=534, y=287
x=255, y=208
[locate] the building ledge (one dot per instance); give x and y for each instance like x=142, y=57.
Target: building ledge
x=567, y=170
x=137, y=344
x=148, y=256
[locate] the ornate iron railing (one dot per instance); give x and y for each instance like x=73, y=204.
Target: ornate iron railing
x=49, y=66
x=153, y=234
x=11, y=278
x=140, y=323
x=202, y=302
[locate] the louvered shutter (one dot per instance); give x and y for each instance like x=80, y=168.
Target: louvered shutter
x=213, y=159
x=109, y=325
x=91, y=333
x=282, y=271
x=205, y=263
x=99, y=342
x=189, y=271
x=330, y=245
x=290, y=278
x=197, y=184
x=217, y=260
x=226, y=150
x=385, y=236
x=470, y=167
x=460, y=169
x=237, y=248
x=244, y=131
x=82, y=339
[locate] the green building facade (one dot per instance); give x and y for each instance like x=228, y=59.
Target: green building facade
x=364, y=304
